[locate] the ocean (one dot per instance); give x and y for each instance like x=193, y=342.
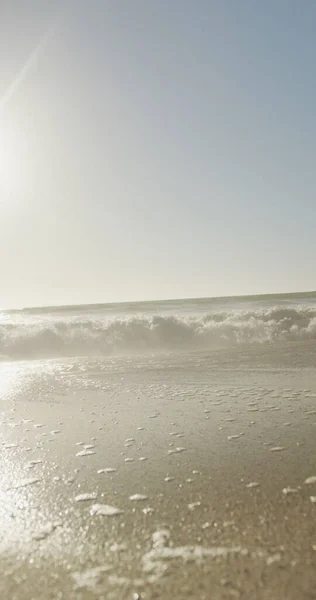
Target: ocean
x=176, y=326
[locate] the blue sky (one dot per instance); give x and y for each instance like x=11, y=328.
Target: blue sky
x=156, y=149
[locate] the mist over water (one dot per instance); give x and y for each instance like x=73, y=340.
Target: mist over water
x=186, y=325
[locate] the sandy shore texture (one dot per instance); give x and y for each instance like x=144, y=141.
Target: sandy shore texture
x=159, y=478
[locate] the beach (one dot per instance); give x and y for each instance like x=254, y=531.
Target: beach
x=172, y=475
x=157, y=300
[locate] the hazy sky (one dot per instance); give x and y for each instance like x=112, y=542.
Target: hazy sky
x=156, y=149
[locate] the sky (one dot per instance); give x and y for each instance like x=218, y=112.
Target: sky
x=156, y=149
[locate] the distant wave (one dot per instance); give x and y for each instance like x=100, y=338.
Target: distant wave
x=90, y=337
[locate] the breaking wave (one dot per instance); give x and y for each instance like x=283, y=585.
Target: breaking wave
x=91, y=337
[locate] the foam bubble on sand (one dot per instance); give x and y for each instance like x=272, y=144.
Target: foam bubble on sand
x=148, y=510
x=176, y=450
x=155, y=562
x=89, y=446
x=125, y=582
x=169, y=478
x=313, y=499
x=277, y=449
x=138, y=497
x=228, y=523
x=118, y=547
x=160, y=538
x=127, y=460
x=194, y=505
x=55, y=431
x=273, y=558
x=24, y=483
x=289, y=490
x=105, y=510
x=106, y=470
x=70, y=480
x=235, y=437
x=86, y=497
x=85, y=453
x=45, y=531
x=140, y=428
x=142, y=458
x=252, y=484
x=310, y=480
x=91, y=579
x=38, y=425
x=33, y=463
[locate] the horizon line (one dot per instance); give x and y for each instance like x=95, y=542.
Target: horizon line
x=186, y=299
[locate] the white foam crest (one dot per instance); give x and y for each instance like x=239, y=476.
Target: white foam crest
x=91, y=336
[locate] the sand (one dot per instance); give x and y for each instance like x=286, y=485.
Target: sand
x=156, y=478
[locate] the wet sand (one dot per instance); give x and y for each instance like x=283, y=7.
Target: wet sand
x=155, y=481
